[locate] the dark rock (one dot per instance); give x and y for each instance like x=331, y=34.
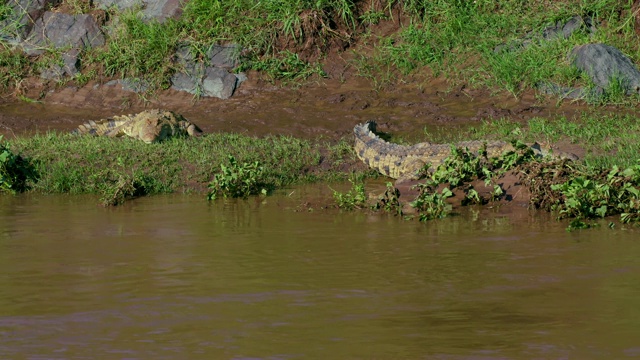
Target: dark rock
x=568, y=92
x=219, y=83
x=159, y=10
x=70, y=66
x=560, y=30
x=201, y=80
x=19, y=22
x=224, y=56
x=128, y=84
x=60, y=30
x=566, y=29
x=604, y=63
x=162, y=10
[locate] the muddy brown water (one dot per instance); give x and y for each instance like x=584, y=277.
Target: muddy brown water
x=176, y=277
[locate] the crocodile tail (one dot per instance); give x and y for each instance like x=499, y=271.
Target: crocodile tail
x=372, y=150
x=106, y=127
x=365, y=135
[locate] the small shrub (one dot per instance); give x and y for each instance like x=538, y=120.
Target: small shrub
x=431, y=204
x=389, y=201
x=599, y=195
x=15, y=171
x=356, y=198
x=126, y=187
x=238, y=180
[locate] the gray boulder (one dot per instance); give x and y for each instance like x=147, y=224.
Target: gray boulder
x=604, y=63
x=19, y=21
x=70, y=66
x=564, y=29
x=60, y=30
x=206, y=80
x=159, y=10
x=209, y=82
x=118, y=4
x=130, y=84
x=560, y=30
x=224, y=56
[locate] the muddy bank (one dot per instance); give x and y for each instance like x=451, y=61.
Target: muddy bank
x=329, y=108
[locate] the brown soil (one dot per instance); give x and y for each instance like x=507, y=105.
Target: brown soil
x=329, y=108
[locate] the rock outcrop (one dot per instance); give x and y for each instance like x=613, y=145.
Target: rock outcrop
x=604, y=64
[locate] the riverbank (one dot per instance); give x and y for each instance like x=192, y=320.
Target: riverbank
x=441, y=72
x=602, y=183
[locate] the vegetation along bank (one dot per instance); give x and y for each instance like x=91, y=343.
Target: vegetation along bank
x=559, y=52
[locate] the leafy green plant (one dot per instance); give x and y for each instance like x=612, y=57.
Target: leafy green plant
x=355, y=198
x=599, y=195
x=584, y=198
x=389, y=201
x=497, y=192
x=15, y=171
x=522, y=154
x=238, y=180
x=460, y=167
x=472, y=197
x=432, y=205
x=126, y=187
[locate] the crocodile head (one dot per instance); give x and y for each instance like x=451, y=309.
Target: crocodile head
x=150, y=130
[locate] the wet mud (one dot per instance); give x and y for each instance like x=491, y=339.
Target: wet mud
x=328, y=108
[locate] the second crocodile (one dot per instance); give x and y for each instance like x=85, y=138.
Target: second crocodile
x=406, y=162
x=149, y=126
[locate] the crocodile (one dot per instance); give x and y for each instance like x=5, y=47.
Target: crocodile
x=149, y=126
x=403, y=162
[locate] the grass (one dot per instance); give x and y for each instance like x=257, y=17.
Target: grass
x=14, y=67
x=121, y=168
x=458, y=39
x=607, y=138
x=270, y=33
x=140, y=50
x=239, y=180
x=287, y=40
x=15, y=171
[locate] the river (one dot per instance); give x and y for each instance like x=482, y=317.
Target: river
x=177, y=277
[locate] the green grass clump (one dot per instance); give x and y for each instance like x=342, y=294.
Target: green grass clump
x=15, y=171
x=140, y=50
x=459, y=39
x=608, y=139
x=598, y=195
x=118, y=169
x=14, y=66
x=238, y=180
x=355, y=198
x=285, y=66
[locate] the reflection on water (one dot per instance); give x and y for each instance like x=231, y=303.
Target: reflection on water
x=179, y=278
